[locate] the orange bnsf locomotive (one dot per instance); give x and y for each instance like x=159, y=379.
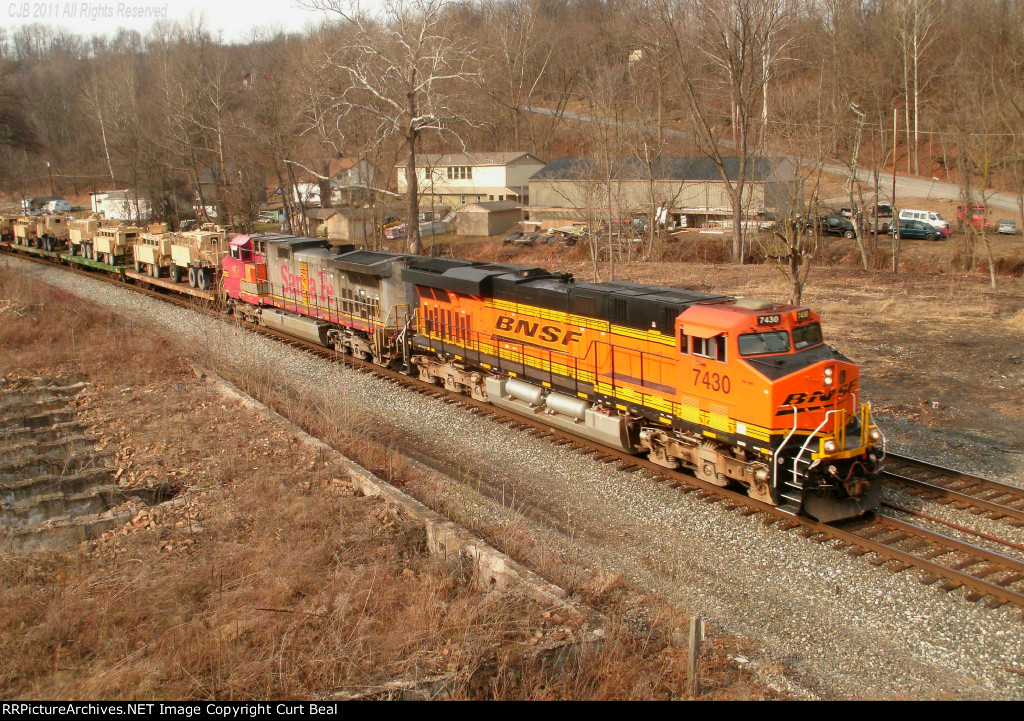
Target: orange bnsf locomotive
x=736, y=390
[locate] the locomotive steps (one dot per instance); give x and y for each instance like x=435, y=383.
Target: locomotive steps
x=54, y=486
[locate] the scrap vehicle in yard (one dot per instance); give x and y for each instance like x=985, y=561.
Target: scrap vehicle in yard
x=832, y=225
x=1007, y=226
x=916, y=230
x=973, y=215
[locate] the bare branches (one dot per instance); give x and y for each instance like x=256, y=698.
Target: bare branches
x=403, y=69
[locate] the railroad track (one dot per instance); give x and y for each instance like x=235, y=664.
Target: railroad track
x=978, y=495
x=944, y=561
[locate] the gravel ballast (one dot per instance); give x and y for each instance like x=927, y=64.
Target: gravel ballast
x=828, y=625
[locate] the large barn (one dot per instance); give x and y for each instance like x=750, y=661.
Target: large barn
x=683, y=191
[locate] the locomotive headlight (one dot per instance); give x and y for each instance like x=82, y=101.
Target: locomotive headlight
x=830, y=446
x=875, y=434
x=828, y=376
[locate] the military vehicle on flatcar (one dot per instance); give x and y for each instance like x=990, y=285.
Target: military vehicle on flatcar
x=151, y=252
x=113, y=244
x=198, y=254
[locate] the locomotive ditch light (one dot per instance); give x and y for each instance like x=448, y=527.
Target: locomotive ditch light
x=829, y=446
x=875, y=434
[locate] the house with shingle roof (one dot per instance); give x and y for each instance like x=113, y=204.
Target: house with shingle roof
x=457, y=179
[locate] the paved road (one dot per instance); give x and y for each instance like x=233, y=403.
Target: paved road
x=917, y=187
x=906, y=186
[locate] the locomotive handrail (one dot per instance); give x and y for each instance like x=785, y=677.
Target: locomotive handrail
x=803, y=448
x=775, y=462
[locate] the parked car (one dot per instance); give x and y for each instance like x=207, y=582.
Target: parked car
x=928, y=216
x=833, y=225
x=916, y=230
x=1007, y=226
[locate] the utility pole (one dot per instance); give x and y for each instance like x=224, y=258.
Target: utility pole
x=49, y=170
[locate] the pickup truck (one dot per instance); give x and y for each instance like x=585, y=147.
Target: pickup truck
x=832, y=225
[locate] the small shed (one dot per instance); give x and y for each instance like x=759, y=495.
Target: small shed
x=351, y=225
x=490, y=218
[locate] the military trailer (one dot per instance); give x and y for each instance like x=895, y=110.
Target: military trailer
x=198, y=253
x=112, y=245
x=81, y=232
x=152, y=250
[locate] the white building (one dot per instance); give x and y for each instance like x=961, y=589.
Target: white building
x=460, y=178
x=351, y=180
x=121, y=205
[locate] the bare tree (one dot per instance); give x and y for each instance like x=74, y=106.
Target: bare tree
x=723, y=78
x=404, y=71
x=916, y=29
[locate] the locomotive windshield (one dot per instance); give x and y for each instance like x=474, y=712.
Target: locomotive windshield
x=806, y=336
x=760, y=343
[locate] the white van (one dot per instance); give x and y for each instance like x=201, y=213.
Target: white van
x=927, y=216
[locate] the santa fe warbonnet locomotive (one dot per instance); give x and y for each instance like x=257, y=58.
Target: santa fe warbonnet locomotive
x=736, y=390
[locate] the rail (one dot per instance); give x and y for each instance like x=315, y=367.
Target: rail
x=985, y=573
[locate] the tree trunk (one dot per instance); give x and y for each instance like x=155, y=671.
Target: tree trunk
x=412, y=222
x=991, y=260
x=412, y=207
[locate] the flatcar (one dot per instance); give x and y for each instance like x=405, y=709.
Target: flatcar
x=736, y=390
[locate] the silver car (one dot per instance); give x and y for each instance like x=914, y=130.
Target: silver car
x=1007, y=226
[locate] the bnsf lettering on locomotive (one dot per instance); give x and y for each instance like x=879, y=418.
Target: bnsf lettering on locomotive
x=800, y=398
x=548, y=333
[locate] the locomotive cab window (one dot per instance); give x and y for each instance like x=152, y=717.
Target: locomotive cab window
x=713, y=348
x=762, y=343
x=806, y=335
x=684, y=343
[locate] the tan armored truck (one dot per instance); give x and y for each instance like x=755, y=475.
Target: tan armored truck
x=7, y=228
x=51, y=231
x=199, y=253
x=113, y=244
x=81, y=232
x=25, y=231
x=152, y=250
